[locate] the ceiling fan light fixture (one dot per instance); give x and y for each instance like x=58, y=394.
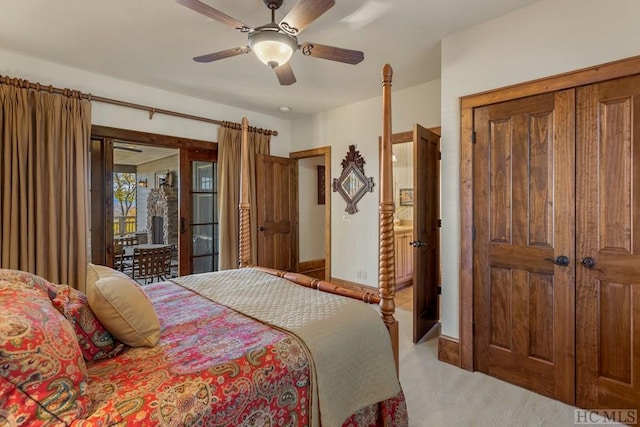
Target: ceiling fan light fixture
x=273, y=48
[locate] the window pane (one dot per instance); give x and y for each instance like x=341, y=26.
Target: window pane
x=203, y=177
x=202, y=240
x=125, y=188
x=202, y=264
x=216, y=244
x=202, y=208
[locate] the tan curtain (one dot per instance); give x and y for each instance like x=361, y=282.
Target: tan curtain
x=229, y=145
x=44, y=146
x=229, y=164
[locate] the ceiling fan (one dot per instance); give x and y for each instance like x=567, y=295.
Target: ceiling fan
x=274, y=43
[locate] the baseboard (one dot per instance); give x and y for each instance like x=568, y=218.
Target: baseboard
x=449, y=350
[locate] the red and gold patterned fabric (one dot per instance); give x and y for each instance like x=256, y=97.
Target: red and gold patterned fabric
x=212, y=367
x=95, y=341
x=29, y=280
x=43, y=377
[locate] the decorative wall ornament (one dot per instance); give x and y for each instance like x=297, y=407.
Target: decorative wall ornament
x=352, y=183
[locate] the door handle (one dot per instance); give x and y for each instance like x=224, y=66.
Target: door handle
x=560, y=260
x=261, y=228
x=588, y=262
x=183, y=225
x=418, y=243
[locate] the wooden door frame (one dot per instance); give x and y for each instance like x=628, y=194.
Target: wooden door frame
x=594, y=74
x=314, y=152
x=107, y=135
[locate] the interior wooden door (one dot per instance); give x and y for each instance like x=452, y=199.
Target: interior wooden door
x=277, y=199
x=426, y=231
x=524, y=222
x=608, y=245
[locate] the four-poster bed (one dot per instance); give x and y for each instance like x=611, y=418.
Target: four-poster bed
x=251, y=346
x=386, y=261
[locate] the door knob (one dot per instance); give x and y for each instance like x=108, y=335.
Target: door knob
x=261, y=228
x=588, y=262
x=418, y=243
x=560, y=260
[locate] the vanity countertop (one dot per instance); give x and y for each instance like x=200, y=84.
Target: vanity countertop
x=402, y=228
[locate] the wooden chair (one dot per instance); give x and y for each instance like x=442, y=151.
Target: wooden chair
x=118, y=256
x=150, y=264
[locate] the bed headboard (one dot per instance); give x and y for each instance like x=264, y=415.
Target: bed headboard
x=386, y=257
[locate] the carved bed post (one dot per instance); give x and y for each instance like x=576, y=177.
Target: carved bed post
x=386, y=262
x=245, y=226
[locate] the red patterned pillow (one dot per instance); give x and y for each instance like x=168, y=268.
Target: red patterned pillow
x=29, y=280
x=95, y=341
x=44, y=377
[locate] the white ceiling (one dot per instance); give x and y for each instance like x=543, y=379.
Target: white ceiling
x=144, y=153
x=153, y=42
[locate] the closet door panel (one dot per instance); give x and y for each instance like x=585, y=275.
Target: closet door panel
x=524, y=213
x=608, y=243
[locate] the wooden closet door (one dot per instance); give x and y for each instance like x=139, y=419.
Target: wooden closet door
x=608, y=243
x=524, y=219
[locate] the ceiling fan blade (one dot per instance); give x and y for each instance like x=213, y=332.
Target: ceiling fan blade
x=135, y=150
x=304, y=13
x=285, y=74
x=210, y=57
x=332, y=53
x=214, y=14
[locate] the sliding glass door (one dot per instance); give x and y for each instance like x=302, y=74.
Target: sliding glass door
x=199, y=214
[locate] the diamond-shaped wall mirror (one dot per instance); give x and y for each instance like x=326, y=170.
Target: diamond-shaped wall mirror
x=352, y=183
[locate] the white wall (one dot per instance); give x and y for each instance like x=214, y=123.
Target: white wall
x=311, y=214
x=354, y=242
x=547, y=38
x=35, y=70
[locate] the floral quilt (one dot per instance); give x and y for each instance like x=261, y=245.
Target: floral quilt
x=213, y=367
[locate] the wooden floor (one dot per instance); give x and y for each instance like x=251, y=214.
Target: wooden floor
x=404, y=298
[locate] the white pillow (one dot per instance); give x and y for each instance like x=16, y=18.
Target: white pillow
x=122, y=307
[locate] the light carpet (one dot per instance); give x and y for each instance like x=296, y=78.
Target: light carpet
x=439, y=394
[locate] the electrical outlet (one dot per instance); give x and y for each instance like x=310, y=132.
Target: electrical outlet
x=346, y=218
x=363, y=275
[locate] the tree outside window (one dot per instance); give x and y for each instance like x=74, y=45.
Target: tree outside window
x=124, y=194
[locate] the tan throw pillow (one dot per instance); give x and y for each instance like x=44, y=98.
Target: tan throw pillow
x=122, y=307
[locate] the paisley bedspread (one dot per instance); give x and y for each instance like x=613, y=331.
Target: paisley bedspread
x=212, y=367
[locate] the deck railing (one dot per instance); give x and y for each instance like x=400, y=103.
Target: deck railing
x=123, y=225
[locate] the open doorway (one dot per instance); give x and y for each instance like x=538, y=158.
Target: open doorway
x=145, y=209
x=314, y=212
x=155, y=195
x=417, y=223
x=403, y=195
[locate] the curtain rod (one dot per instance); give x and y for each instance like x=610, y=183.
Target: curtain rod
x=151, y=110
